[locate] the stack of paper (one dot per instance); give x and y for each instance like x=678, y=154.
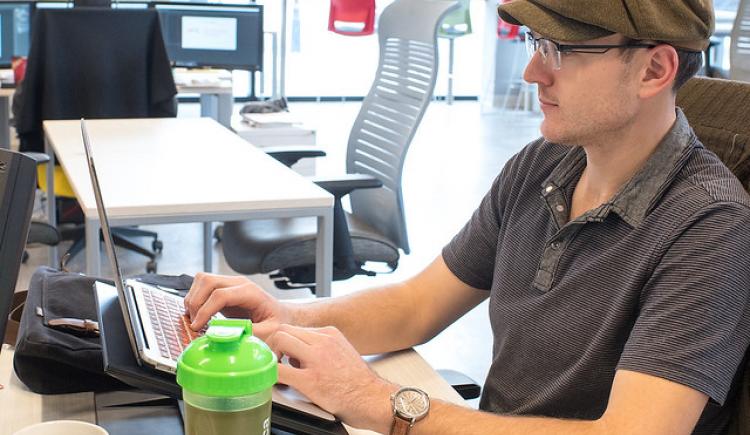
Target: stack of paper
x=276, y=119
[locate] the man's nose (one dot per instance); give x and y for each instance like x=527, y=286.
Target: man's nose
x=537, y=72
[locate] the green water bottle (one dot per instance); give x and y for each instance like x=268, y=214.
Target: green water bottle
x=226, y=378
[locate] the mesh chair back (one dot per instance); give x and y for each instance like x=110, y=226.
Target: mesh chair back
x=393, y=109
x=352, y=17
x=739, y=51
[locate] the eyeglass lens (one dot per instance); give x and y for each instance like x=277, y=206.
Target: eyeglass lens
x=546, y=48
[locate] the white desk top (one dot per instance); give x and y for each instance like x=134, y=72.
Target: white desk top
x=176, y=166
x=20, y=407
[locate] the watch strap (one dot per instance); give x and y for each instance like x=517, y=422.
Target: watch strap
x=400, y=426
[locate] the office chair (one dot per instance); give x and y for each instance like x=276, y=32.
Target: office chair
x=94, y=63
x=352, y=17
x=716, y=109
x=739, y=49
x=455, y=25
x=375, y=230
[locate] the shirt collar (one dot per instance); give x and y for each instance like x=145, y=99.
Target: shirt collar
x=639, y=194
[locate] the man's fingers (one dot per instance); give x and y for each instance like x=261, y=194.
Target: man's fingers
x=263, y=329
x=235, y=296
x=286, y=344
x=203, y=286
x=217, y=301
x=307, y=335
x=291, y=376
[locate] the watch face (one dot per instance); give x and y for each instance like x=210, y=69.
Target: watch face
x=412, y=403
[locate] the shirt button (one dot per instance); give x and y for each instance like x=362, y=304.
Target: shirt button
x=560, y=208
x=549, y=189
x=555, y=245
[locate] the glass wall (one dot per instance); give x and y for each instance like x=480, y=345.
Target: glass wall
x=323, y=64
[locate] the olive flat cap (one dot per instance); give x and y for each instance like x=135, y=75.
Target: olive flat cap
x=685, y=24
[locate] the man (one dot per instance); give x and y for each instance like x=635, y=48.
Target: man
x=613, y=251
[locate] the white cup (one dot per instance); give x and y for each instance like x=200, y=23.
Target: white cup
x=62, y=427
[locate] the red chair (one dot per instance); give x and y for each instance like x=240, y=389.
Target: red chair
x=352, y=17
x=506, y=30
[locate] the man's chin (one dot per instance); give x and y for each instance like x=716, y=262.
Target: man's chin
x=553, y=135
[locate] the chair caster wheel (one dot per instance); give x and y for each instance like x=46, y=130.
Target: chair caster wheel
x=25, y=257
x=218, y=233
x=157, y=246
x=151, y=267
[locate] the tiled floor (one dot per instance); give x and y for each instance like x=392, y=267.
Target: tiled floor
x=453, y=159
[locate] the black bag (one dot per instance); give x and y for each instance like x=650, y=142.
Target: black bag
x=58, y=348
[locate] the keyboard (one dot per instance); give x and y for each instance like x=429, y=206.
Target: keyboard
x=170, y=323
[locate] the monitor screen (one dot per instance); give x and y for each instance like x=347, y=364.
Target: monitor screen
x=15, y=31
x=212, y=35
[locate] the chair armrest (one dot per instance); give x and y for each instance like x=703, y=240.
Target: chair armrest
x=290, y=155
x=340, y=186
x=464, y=385
x=38, y=157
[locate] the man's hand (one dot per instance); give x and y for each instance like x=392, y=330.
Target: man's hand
x=329, y=371
x=234, y=296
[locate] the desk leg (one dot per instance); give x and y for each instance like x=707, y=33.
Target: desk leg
x=225, y=110
x=324, y=255
x=5, y=123
x=218, y=107
x=210, y=106
x=207, y=248
x=93, y=260
x=51, y=203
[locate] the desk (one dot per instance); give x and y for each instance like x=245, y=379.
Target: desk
x=175, y=170
x=295, y=135
x=21, y=407
x=214, y=88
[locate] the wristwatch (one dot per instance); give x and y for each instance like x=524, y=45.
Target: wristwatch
x=409, y=406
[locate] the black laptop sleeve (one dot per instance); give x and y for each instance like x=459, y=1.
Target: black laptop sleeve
x=53, y=359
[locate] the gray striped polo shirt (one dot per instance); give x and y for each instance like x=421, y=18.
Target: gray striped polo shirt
x=657, y=280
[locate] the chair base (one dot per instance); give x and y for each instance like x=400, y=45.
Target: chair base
x=299, y=277
x=119, y=235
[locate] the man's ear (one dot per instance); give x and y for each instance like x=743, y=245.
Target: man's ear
x=660, y=70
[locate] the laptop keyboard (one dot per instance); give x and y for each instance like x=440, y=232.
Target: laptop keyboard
x=170, y=323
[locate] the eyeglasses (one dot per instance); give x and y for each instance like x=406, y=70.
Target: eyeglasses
x=551, y=51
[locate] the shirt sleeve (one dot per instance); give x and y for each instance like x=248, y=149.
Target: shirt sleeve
x=693, y=325
x=470, y=255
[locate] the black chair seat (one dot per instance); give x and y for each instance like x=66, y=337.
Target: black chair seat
x=40, y=232
x=269, y=245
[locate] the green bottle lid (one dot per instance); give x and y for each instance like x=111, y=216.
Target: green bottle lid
x=227, y=361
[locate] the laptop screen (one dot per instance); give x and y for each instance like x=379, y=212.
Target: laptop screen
x=109, y=244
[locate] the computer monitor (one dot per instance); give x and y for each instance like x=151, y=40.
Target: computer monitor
x=220, y=36
x=17, y=188
x=15, y=31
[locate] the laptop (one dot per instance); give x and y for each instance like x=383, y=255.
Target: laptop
x=154, y=316
x=158, y=329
